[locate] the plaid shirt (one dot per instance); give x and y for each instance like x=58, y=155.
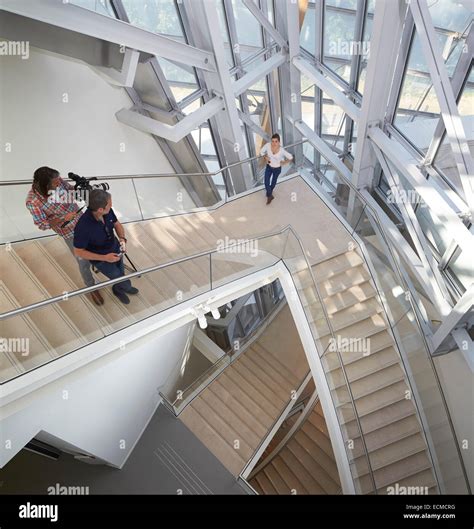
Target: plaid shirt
x=55, y=206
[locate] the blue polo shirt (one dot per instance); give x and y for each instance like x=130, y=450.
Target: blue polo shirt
x=96, y=236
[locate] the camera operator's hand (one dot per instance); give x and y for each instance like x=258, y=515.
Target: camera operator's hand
x=112, y=257
x=123, y=246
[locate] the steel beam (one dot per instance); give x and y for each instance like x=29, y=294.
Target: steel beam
x=87, y=22
x=250, y=78
x=126, y=76
x=432, y=194
x=447, y=102
x=204, y=32
x=265, y=23
x=384, y=44
x=287, y=19
x=438, y=291
x=462, y=311
x=327, y=87
x=171, y=132
x=461, y=71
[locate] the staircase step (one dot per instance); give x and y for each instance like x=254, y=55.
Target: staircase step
x=319, y=438
x=306, y=481
x=222, y=425
x=380, y=418
x=76, y=308
x=276, y=480
x=391, y=433
x=335, y=265
x=343, y=281
x=309, y=460
x=303, y=437
x=262, y=484
x=377, y=399
x=351, y=315
x=113, y=311
x=396, y=472
x=370, y=384
x=365, y=328
x=252, y=389
x=284, y=372
x=250, y=418
x=288, y=476
x=220, y=447
x=397, y=451
x=231, y=418
x=360, y=368
x=257, y=408
x=268, y=393
x=264, y=374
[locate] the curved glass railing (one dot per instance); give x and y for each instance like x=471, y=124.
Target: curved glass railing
x=406, y=317
x=141, y=196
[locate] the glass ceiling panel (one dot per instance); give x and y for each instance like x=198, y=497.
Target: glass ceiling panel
x=248, y=29
x=159, y=16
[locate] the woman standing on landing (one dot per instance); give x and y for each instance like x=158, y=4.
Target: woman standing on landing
x=275, y=156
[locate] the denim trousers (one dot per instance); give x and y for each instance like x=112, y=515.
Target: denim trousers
x=274, y=173
x=112, y=271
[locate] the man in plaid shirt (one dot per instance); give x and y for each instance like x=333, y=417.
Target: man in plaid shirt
x=51, y=204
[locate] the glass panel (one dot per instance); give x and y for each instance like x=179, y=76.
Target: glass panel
x=61, y=328
x=159, y=197
x=444, y=160
x=249, y=31
x=159, y=16
x=366, y=36
x=99, y=6
x=236, y=258
x=418, y=109
x=308, y=30
x=339, y=28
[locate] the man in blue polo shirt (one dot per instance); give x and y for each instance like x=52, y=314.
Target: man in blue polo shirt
x=95, y=240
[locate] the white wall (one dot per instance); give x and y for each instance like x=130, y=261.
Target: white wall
x=103, y=408
x=59, y=112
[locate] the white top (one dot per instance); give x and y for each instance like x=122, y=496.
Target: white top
x=275, y=159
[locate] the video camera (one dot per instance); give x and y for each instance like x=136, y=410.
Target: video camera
x=82, y=183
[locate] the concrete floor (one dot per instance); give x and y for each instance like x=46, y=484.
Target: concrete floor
x=168, y=459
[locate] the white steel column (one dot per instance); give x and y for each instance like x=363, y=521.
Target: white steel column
x=387, y=31
x=206, y=34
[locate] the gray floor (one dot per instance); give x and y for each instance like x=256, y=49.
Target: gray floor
x=167, y=459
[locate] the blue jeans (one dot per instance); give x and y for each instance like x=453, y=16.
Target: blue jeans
x=273, y=172
x=112, y=271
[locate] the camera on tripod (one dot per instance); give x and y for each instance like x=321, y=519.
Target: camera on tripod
x=83, y=183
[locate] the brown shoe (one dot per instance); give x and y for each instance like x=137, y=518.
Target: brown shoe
x=270, y=198
x=96, y=297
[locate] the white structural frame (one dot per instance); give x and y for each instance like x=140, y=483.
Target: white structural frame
x=444, y=92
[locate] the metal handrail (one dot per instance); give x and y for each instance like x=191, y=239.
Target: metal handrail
x=161, y=175
x=67, y=295
x=346, y=379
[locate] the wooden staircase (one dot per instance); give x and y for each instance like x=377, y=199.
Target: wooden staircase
x=395, y=442
x=36, y=270
x=237, y=410
x=305, y=465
